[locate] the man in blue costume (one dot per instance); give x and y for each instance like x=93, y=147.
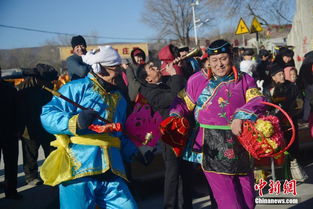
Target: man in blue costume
x=89, y=166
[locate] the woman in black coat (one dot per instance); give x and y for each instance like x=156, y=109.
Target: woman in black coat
x=284, y=94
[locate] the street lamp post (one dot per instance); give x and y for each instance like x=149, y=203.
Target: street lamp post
x=194, y=23
x=194, y=20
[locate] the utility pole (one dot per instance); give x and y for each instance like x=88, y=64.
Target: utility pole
x=194, y=20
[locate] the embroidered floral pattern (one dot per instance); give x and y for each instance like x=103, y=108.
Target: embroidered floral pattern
x=220, y=100
x=222, y=115
x=229, y=153
x=230, y=141
x=252, y=93
x=223, y=103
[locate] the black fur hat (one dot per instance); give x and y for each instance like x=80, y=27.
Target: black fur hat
x=248, y=52
x=285, y=52
x=264, y=52
x=275, y=68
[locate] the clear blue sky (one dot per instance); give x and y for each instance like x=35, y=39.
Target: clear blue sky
x=106, y=18
x=110, y=18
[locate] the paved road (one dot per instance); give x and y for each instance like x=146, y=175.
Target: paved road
x=149, y=193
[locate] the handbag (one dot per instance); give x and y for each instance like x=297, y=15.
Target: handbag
x=142, y=125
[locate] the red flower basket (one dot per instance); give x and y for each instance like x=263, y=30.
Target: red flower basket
x=257, y=144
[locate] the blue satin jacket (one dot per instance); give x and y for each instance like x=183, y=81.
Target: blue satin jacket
x=59, y=117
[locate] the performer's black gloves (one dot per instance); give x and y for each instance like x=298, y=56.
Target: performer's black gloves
x=85, y=118
x=145, y=158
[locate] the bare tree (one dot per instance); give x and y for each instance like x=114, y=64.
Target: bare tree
x=65, y=40
x=29, y=57
x=173, y=18
x=268, y=11
x=92, y=38
x=48, y=55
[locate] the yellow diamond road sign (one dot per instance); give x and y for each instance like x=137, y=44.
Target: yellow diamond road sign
x=255, y=26
x=242, y=28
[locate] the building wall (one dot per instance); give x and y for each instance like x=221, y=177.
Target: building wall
x=301, y=34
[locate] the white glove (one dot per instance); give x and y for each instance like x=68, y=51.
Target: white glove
x=259, y=83
x=89, y=57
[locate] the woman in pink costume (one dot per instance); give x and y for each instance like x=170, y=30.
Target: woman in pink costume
x=220, y=100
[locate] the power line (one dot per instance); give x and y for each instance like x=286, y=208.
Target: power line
x=72, y=34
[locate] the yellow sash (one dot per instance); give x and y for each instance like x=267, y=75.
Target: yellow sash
x=57, y=168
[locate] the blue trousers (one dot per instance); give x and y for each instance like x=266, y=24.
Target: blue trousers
x=85, y=193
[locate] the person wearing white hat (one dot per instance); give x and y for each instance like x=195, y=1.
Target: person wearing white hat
x=91, y=164
x=102, y=60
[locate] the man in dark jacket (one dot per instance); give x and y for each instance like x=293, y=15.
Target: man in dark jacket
x=9, y=138
x=160, y=92
x=33, y=97
x=75, y=65
x=306, y=79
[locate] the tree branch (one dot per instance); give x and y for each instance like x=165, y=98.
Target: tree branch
x=279, y=14
x=253, y=14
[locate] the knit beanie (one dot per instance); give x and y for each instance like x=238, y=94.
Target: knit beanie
x=78, y=40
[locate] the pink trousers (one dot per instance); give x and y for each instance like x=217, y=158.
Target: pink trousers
x=232, y=191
